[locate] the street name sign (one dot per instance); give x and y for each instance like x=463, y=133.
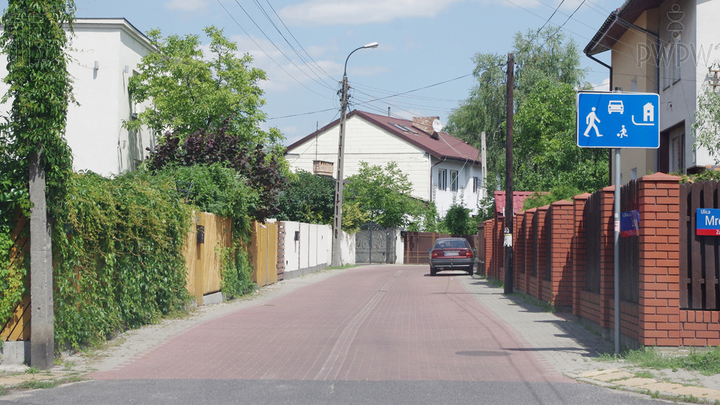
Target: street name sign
x=630, y=223
x=708, y=222
x=618, y=120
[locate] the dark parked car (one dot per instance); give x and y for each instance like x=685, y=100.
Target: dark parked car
x=451, y=254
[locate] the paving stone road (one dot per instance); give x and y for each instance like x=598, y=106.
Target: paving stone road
x=392, y=332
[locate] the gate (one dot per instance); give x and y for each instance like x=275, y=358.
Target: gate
x=375, y=244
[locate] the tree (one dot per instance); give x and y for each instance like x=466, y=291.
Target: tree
x=189, y=91
x=547, y=72
x=384, y=193
x=307, y=198
x=707, y=119
x=264, y=171
x=34, y=39
x=458, y=221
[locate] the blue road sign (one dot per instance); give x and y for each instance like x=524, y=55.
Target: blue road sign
x=618, y=120
x=707, y=222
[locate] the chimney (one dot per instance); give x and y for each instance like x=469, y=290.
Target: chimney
x=425, y=124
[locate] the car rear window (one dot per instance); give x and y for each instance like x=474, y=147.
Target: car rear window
x=451, y=244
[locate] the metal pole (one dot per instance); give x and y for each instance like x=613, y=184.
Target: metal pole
x=509, y=210
x=337, y=223
x=616, y=277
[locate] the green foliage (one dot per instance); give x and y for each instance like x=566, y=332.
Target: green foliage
x=190, y=89
x=556, y=194
x=458, y=221
x=426, y=220
x=33, y=39
x=546, y=155
x=12, y=277
x=547, y=73
x=706, y=127
x=384, y=193
x=118, y=254
x=307, y=198
x=235, y=272
x=704, y=175
x=705, y=362
x=353, y=217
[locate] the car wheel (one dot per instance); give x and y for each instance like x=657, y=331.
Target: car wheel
x=433, y=271
x=470, y=270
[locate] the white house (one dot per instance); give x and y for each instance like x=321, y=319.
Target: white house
x=104, y=54
x=440, y=167
x=664, y=47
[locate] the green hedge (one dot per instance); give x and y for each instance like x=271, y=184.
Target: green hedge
x=118, y=255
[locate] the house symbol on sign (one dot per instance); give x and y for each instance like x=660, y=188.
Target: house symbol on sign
x=648, y=115
x=648, y=112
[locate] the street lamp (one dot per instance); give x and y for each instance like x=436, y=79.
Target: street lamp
x=337, y=222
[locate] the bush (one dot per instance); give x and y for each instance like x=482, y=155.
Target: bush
x=118, y=255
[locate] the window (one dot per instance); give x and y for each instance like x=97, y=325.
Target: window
x=677, y=153
x=442, y=179
x=477, y=184
x=453, y=180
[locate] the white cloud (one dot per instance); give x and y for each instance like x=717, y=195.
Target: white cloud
x=354, y=12
x=604, y=86
x=185, y=5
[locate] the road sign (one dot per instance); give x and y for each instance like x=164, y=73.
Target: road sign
x=630, y=223
x=708, y=222
x=618, y=120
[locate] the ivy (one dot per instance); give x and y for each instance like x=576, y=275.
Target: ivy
x=118, y=254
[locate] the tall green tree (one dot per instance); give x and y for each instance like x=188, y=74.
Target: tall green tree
x=707, y=119
x=307, y=198
x=190, y=89
x=384, y=193
x=547, y=71
x=34, y=39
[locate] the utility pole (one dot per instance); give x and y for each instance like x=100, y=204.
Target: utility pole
x=336, y=259
x=337, y=223
x=509, y=209
x=42, y=342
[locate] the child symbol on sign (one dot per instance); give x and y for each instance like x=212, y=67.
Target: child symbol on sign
x=623, y=133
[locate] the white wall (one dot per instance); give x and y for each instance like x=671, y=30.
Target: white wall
x=313, y=250
x=94, y=127
x=444, y=198
x=368, y=143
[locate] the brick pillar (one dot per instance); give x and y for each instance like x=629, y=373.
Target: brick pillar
x=659, y=312
x=488, y=246
x=607, y=259
x=542, y=233
x=562, y=232
x=578, y=250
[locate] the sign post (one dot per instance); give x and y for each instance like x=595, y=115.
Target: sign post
x=615, y=121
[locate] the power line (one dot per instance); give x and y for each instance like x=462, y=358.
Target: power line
x=267, y=16
x=300, y=114
x=278, y=48
x=267, y=54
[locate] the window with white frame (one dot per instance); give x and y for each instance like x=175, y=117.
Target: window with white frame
x=442, y=179
x=476, y=184
x=454, y=180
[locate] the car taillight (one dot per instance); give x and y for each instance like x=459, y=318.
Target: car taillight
x=468, y=253
x=436, y=253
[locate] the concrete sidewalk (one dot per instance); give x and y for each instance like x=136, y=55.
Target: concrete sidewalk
x=566, y=345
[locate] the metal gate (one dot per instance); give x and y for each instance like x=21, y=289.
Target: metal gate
x=375, y=244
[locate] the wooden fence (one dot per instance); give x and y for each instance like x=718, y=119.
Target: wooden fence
x=630, y=248
x=417, y=245
x=264, y=252
x=699, y=268
x=17, y=328
x=202, y=255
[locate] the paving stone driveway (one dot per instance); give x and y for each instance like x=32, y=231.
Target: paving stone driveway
x=367, y=323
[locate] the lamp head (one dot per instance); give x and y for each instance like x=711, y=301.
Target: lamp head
x=371, y=45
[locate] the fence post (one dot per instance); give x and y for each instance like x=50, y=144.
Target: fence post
x=578, y=251
x=659, y=314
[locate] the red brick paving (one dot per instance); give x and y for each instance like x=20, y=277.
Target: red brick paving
x=368, y=323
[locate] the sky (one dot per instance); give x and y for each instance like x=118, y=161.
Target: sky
x=422, y=67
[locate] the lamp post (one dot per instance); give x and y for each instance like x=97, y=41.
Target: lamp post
x=337, y=222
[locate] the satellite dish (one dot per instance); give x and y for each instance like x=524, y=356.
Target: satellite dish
x=437, y=126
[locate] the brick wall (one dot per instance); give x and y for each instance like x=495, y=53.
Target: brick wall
x=607, y=258
x=661, y=321
x=562, y=222
x=578, y=255
x=519, y=252
x=542, y=250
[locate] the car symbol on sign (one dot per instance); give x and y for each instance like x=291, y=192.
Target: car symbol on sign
x=615, y=106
